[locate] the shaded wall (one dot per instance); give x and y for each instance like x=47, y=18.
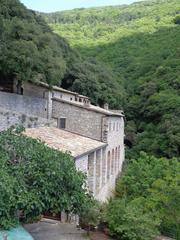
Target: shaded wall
x=24, y=104
x=79, y=120
x=9, y=118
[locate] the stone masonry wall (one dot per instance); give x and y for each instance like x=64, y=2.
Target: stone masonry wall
x=24, y=104
x=79, y=120
x=9, y=118
x=82, y=164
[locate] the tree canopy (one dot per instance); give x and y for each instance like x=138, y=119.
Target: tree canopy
x=29, y=50
x=35, y=179
x=146, y=199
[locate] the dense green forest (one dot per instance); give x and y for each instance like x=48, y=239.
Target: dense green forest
x=141, y=44
x=128, y=56
x=29, y=50
x=146, y=200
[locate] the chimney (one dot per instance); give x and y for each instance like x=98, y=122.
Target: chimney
x=106, y=106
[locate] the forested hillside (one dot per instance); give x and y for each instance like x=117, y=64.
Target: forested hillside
x=141, y=44
x=128, y=56
x=29, y=50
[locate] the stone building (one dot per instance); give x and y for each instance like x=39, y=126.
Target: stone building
x=93, y=135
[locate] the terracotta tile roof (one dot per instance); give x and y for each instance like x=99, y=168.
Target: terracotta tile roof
x=65, y=141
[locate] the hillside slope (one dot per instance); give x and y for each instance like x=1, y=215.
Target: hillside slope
x=29, y=50
x=141, y=43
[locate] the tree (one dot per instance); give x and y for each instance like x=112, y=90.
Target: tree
x=129, y=221
x=165, y=198
x=151, y=184
x=35, y=179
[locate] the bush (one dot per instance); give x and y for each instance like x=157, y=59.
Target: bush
x=35, y=179
x=149, y=185
x=129, y=221
x=90, y=217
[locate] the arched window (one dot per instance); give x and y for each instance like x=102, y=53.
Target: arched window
x=109, y=126
x=119, y=157
x=108, y=164
x=112, y=162
x=116, y=159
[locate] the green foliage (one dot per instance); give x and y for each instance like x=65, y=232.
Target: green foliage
x=165, y=196
x=150, y=191
x=177, y=19
x=130, y=221
x=91, y=78
x=140, y=42
x=28, y=48
x=35, y=179
x=90, y=217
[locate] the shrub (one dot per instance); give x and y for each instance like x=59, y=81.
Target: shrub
x=35, y=179
x=129, y=221
x=153, y=182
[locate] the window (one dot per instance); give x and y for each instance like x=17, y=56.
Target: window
x=109, y=164
x=116, y=159
x=112, y=162
x=62, y=123
x=119, y=156
x=110, y=126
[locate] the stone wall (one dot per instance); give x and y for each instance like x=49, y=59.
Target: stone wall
x=33, y=90
x=79, y=120
x=82, y=164
x=106, y=191
x=24, y=104
x=9, y=118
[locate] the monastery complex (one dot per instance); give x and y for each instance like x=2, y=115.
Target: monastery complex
x=68, y=122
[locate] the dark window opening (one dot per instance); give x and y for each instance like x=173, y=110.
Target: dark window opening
x=6, y=85
x=62, y=123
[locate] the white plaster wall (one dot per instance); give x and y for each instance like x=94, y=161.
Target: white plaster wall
x=63, y=95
